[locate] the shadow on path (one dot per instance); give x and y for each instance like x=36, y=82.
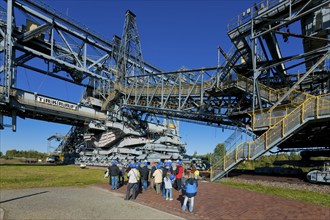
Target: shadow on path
x=22, y=197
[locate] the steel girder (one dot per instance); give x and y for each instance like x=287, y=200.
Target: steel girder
x=188, y=94
x=64, y=45
x=193, y=93
x=206, y=94
x=265, y=20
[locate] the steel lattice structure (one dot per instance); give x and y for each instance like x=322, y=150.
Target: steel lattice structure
x=216, y=95
x=262, y=80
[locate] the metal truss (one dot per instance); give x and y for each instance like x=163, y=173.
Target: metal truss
x=130, y=50
x=62, y=43
x=62, y=48
x=209, y=95
x=115, y=72
x=65, y=46
x=263, y=24
x=188, y=94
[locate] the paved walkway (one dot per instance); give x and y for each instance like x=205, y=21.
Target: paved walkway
x=70, y=203
x=216, y=201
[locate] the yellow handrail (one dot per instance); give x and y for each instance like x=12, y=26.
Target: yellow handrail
x=310, y=105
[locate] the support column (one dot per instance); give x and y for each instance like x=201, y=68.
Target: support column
x=13, y=121
x=1, y=121
x=254, y=65
x=8, y=71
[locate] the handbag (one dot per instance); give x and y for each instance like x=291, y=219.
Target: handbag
x=106, y=174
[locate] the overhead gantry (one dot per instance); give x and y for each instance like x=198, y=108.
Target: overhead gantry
x=274, y=82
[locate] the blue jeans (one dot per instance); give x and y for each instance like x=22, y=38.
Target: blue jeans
x=144, y=184
x=168, y=193
x=114, y=182
x=191, y=205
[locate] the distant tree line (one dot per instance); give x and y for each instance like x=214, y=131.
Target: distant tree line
x=10, y=154
x=218, y=153
x=268, y=161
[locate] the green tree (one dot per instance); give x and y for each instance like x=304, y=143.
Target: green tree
x=27, y=154
x=219, y=150
x=246, y=165
x=10, y=154
x=282, y=157
x=1, y=154
x=208, y=156
x=294, y=156
x=218, y=153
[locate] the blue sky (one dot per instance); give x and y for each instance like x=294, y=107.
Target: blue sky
x=173, y=34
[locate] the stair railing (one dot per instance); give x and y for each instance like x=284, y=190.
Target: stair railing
x=312, y=108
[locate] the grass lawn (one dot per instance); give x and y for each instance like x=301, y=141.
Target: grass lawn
x=28, y=176
x=301, y=195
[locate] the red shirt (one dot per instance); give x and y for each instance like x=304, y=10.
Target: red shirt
x=179, y=175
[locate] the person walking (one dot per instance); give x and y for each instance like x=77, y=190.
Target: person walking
x=191, y=190
x=168, y=185
x=158, y=175
x=114, y=173
x=133, y=179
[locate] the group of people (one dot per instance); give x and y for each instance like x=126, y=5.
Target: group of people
x=162, y=177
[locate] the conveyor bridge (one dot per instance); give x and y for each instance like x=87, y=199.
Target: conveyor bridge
x=265, y=86
x=37, y=106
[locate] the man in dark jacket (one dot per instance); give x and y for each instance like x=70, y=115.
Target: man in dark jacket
x=144, y=175
x=114, y=175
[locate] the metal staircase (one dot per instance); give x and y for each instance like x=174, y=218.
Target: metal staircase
x=265, y=118
x=312, y=109
x=231, y=63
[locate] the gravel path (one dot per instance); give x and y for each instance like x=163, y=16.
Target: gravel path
x=280, y=184
x=73, y=203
